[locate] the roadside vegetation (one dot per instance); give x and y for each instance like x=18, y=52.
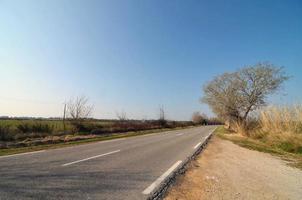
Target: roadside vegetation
x=22, y=133
x=76, y=127
x=240, y=100
x=68, y=140
x=14, y=140
x=262, y=145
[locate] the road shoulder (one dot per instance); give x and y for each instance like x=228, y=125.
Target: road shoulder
x=227, y=171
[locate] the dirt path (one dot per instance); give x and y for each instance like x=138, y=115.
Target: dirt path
x=227, y=171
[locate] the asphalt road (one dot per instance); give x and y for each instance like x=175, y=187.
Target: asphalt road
x=126, y=169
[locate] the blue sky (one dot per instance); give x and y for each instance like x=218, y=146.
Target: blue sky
x=135, y=55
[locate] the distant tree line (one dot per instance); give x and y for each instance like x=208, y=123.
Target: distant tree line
x=202, y=119
x=77, y=119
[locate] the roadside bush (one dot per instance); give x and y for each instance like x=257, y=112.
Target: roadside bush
x=126, y=126
x=24, y=128
x=163, y=123
x=35, y=128
x=85, y=127
x=137, y=125
x=43, y=128
x=5, y=133
x=287, y=146
x=98, y=132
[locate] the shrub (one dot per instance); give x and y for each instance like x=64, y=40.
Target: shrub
x=5, y=134
x=42, y=128
x=24, y=128
x=85, y=127
x=287, y=146
x=98, y=132
x=35, y=127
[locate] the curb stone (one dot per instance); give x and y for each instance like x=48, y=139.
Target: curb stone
x=159, y=193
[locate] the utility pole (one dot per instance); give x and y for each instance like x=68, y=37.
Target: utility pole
x=64, y=116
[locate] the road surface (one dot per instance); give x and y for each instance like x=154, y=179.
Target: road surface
x=127, y=168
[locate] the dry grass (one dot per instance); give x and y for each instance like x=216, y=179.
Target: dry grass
x=293, y=159
x=282, y=119
x=281, y=127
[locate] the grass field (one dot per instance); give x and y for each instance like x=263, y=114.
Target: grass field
x=56, y=124
x=17, y=130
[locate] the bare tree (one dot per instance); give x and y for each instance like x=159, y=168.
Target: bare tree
x=122, y=116
x=198, y=118
x=64, y=118
x=233, y=96
x=79, y=108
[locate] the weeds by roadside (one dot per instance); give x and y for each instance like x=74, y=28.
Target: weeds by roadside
x=281, y=127
x=294, y=159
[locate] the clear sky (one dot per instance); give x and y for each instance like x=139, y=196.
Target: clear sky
x=136, y=55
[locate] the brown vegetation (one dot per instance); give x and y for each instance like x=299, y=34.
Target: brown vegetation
x=279, y=126
x=198, y=118
x=239, y=99
x=14, y=133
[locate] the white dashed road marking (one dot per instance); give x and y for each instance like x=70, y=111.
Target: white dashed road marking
x=93, y=157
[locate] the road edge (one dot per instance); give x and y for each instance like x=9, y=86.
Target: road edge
x=161, y=190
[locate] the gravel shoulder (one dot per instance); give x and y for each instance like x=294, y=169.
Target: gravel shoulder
x=227, y=171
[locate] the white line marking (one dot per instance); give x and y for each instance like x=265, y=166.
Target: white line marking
x=113, y=140
x=210, y=134
x=20, y=154
x=149, y=189
x=105, y=154
x=214, y=130
x=197, y=145
x=179, y=134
